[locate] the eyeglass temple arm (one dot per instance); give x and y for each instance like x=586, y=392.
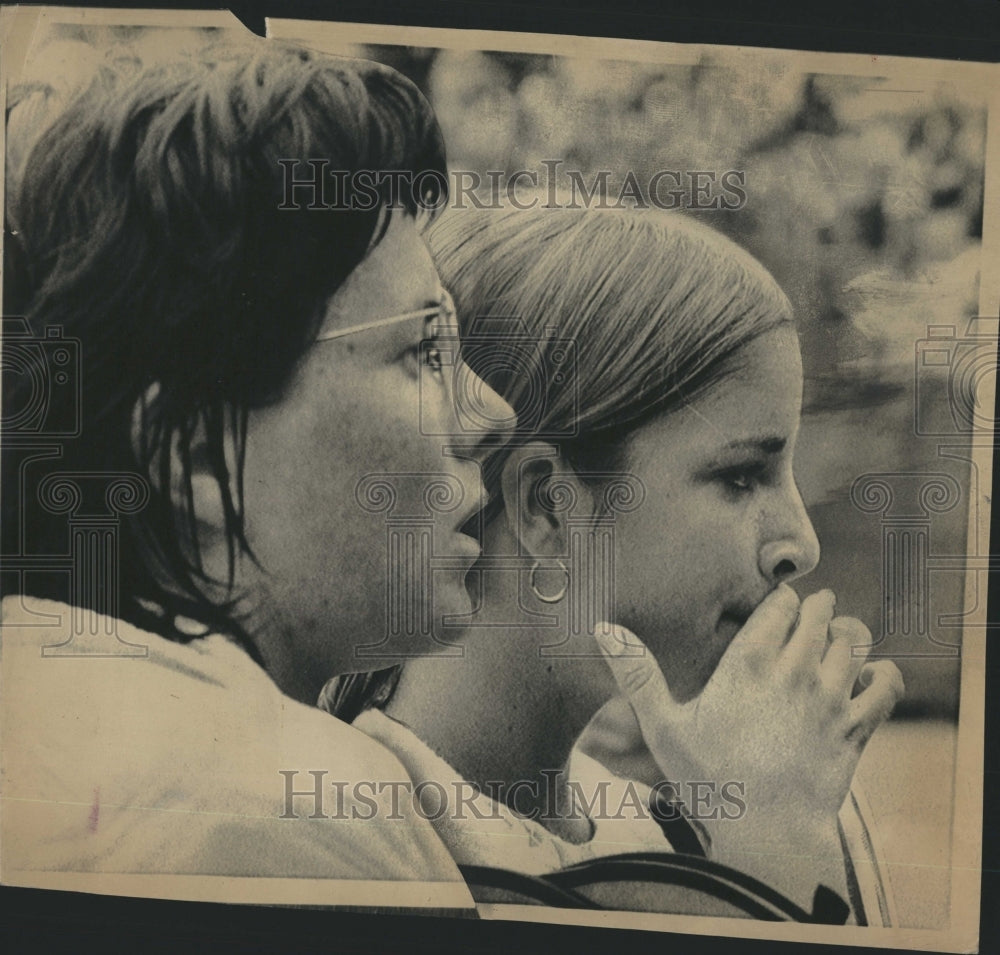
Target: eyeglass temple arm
x=379, y=323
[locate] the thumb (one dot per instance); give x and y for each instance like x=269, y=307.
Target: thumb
x=639, y=678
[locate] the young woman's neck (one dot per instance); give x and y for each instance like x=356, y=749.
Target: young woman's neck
x=506, y=711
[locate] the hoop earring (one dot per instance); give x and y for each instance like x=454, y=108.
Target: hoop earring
x=548, y=598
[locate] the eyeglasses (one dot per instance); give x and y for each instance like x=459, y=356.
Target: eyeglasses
x=444, y=310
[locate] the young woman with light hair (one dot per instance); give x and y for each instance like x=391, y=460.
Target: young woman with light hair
x=655, y=371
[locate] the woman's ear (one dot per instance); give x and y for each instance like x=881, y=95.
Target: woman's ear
x=201, y=517
x=540, y=491
x=209, y=524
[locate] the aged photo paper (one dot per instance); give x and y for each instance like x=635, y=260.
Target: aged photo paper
x=605, y=207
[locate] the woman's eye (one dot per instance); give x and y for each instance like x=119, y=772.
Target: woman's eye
x=742, y=480
x=425, y=354
x=432, y=358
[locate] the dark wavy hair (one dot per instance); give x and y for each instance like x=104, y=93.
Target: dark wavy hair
x=144, y=222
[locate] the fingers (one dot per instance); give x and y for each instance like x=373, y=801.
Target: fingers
x=639, y=678
x=850, y=644
x=765, y=633
x=884, y=688
x=807, y=644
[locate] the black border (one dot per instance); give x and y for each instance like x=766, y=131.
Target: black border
x=946, y=29
x=47, y=921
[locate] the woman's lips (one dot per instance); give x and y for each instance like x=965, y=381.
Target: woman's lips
x=472, y=526
x=467, y=534
x=732, y=621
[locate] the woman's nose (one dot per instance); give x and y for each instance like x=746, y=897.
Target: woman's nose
x=794, y=549
x=483, y=415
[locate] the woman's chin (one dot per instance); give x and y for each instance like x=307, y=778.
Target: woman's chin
x=453, y=612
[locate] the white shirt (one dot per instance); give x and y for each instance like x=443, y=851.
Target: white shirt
x=171, y=763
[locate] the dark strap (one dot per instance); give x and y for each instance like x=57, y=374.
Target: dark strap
x=673, y=819
x=537, y=889
x=568, y=887
x=829, y=908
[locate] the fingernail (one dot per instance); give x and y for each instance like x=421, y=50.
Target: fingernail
x=614, y=640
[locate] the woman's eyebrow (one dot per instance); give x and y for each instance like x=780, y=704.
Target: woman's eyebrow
x=769, y=444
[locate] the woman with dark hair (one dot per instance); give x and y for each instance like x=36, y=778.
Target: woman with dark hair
x=648, y=490
x=249, y=338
